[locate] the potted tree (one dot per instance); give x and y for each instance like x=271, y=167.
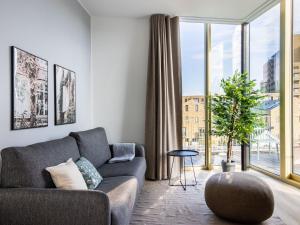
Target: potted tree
x=233, y=113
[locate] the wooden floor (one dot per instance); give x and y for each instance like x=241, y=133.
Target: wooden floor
x=287, y=199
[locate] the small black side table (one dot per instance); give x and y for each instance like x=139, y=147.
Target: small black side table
x=182, y=153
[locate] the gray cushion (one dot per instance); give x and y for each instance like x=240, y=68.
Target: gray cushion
x=122, y=192
x=139, y=150
x=136, y=168
x=25, y=166
x=93, y=145
x=122, y=152
x=239, y=197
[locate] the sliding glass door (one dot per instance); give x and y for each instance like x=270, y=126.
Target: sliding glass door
x=225, y=60
x=296, y=88
x=265, y=69
x=193, y=88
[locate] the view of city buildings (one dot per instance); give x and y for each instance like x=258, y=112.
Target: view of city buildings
x=265, y=139
x=193, y=130
x=193, y=124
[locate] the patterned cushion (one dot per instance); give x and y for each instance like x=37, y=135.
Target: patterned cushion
x=90, y=174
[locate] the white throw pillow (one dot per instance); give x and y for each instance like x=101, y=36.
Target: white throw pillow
x=67, y=176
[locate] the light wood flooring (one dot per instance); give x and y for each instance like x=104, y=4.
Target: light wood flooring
x=287, y=199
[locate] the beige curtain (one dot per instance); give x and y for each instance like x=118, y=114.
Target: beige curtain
x=163, y=107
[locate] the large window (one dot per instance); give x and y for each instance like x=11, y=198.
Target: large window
x=264, y=68
x=262, y=57
x=296, y=88
x=193, y=73
x=225, y=60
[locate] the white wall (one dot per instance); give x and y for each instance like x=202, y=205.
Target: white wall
x=58, y=31
x=119, y=69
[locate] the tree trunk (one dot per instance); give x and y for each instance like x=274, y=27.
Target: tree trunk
x=232, y=128
x=229, y=149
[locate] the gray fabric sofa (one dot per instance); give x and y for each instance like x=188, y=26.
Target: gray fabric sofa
x=29, y=197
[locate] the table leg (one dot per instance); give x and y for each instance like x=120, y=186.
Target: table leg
x=184, y=174
x=193, y=170
x=170, y=176
x=182, y=170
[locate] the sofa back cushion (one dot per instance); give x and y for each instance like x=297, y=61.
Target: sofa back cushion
x=25, y=166
x=93, y=145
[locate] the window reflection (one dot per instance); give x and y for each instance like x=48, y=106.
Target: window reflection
x=265, y=69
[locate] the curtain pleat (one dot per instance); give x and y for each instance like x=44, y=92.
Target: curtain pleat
x=163, y=131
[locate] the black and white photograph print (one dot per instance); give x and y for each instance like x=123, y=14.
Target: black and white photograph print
x=30, y=90
x=65, y=95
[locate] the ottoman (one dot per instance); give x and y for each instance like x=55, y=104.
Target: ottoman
x=239, y=197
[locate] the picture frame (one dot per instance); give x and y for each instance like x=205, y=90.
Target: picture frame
x=65, y=95
x=29, y=108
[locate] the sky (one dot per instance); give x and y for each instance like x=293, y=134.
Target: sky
x=192, y=51
x=264, y=42
x=192, y=55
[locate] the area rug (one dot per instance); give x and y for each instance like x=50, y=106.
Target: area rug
x=160, y=204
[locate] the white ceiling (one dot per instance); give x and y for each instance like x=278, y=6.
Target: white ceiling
x=224, y=9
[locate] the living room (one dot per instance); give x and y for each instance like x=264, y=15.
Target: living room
x=149, y=112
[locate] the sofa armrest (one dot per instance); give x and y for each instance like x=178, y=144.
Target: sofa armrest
x=139, y=150
x=29, y=206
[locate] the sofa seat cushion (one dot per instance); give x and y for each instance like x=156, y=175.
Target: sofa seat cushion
x=122, y=193
x=93, y=145
x=25, y=166
x=136, y=168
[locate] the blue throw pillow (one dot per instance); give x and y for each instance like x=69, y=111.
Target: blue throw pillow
x=90, y=174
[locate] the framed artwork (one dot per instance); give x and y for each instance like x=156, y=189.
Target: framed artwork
x=29, y=90
x=65, y=95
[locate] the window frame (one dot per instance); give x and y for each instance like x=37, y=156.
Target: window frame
x=290, y=10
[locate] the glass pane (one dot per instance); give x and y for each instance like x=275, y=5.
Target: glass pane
x=296, y=89
x=264, y=68
x=193, y=74
x=226, y=59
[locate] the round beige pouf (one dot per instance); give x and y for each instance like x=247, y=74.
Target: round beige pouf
x=239, y=197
